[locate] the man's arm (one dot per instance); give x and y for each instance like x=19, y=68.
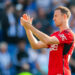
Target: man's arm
x=43, y=37
x=40, y=35
x=35, y=44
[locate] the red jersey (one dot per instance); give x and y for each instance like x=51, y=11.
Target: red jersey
x=60, y=53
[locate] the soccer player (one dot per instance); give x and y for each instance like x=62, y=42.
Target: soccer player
x=61, y=43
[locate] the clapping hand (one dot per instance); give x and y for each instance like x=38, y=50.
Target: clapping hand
x=26, y=21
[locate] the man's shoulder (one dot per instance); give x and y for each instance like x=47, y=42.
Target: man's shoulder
x=68, y=32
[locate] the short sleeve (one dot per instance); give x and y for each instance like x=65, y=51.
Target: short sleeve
x=53, y=35
x=65, y=37
x=50, y=45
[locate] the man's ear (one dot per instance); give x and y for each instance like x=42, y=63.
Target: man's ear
x=65, y=16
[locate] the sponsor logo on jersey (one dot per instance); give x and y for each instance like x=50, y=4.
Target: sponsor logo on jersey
x=63, y=37
x=54, y=47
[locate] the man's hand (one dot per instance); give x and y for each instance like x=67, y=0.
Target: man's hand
x=27, y=18
x=26, y=21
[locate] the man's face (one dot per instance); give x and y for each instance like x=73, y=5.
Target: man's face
x=58, y=18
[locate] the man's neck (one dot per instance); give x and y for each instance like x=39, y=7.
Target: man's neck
x=64, y=27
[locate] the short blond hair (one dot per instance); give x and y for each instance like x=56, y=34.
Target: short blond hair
x=64, y=10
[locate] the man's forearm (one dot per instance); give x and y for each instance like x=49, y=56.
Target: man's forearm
x=33, y=41
x=40, y=35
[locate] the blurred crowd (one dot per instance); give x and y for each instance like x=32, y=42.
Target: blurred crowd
x=16, y=55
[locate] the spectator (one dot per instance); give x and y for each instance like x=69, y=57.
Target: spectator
x=9, y=24
x=72, y=2
x=5, y=60
x=22, y=57
x=20, y=29
x=41, y=22
x=42, y=62
x=45, y=4
x=31, y=7
x=57, y=3
x=72, y=63
x=23, y=3
x=72, y=20
x=33, y=55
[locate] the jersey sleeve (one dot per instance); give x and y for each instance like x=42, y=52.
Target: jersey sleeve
x=65, y=37
x=50, y=36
